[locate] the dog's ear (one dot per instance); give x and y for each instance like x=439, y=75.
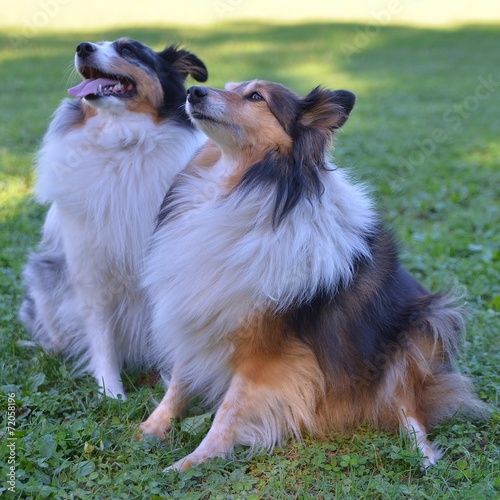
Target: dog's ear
x=185, y=63
x=326, y=109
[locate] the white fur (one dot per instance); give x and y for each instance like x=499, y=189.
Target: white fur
x=218, y=260
x=430, y=453
x=106, y=181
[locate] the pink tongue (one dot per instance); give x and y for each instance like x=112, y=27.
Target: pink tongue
x=90, y=86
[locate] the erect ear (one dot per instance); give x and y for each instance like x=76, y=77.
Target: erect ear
x=185, y=63
x=326, y=109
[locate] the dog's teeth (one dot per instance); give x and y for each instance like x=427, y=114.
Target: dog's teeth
x=99, y=88
x=117, y=87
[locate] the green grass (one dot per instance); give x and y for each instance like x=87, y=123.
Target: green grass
x=443, y=203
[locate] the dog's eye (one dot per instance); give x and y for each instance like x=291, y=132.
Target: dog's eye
x=126, y=51
x=255, y=96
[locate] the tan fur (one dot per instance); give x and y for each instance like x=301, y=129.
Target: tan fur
x=151, y=95
x=207, y=158
x=171, y=406
x=88, y=111
x=274, y=392
x=258, y=129
x=284, y=370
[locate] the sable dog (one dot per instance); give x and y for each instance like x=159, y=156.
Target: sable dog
x=106, y=163
x=277, y=293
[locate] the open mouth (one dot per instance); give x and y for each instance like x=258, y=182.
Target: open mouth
x=98, y=84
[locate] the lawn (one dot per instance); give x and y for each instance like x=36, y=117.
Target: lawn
x=424, y=133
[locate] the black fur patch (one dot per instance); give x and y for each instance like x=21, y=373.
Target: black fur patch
x=284, y=105
x=310, y=122
x=292, y=177
x=356, y=329
x=171, y=66
x=166, y=209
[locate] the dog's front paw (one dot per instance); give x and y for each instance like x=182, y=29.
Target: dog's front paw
x=186, y=463
x=110, y=385
x=154, y=428
x=113, y=392
x=431, y=455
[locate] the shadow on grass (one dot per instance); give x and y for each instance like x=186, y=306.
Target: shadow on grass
x=402, y=74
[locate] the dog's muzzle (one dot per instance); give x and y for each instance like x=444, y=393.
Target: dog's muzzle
x=195, y=94
x=85, y=49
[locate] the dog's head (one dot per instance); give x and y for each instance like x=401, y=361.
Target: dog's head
x=273, y=134
x=265, y=115
x=126, y=74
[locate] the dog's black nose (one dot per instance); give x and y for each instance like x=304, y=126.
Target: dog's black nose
x=196, y=94
x=84, y=49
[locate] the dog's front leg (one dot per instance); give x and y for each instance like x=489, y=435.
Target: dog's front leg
x=222, y=436
x=104, y=362
x=97, y=298
x=171, y=406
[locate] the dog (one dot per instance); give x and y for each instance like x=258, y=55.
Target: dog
x=276, y=290
x=107, y=160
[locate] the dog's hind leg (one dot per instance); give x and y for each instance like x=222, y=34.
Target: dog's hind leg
x=414, y=374
x=418, y=435
x=48, y=311
x=171, y=406
x=430, y=390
